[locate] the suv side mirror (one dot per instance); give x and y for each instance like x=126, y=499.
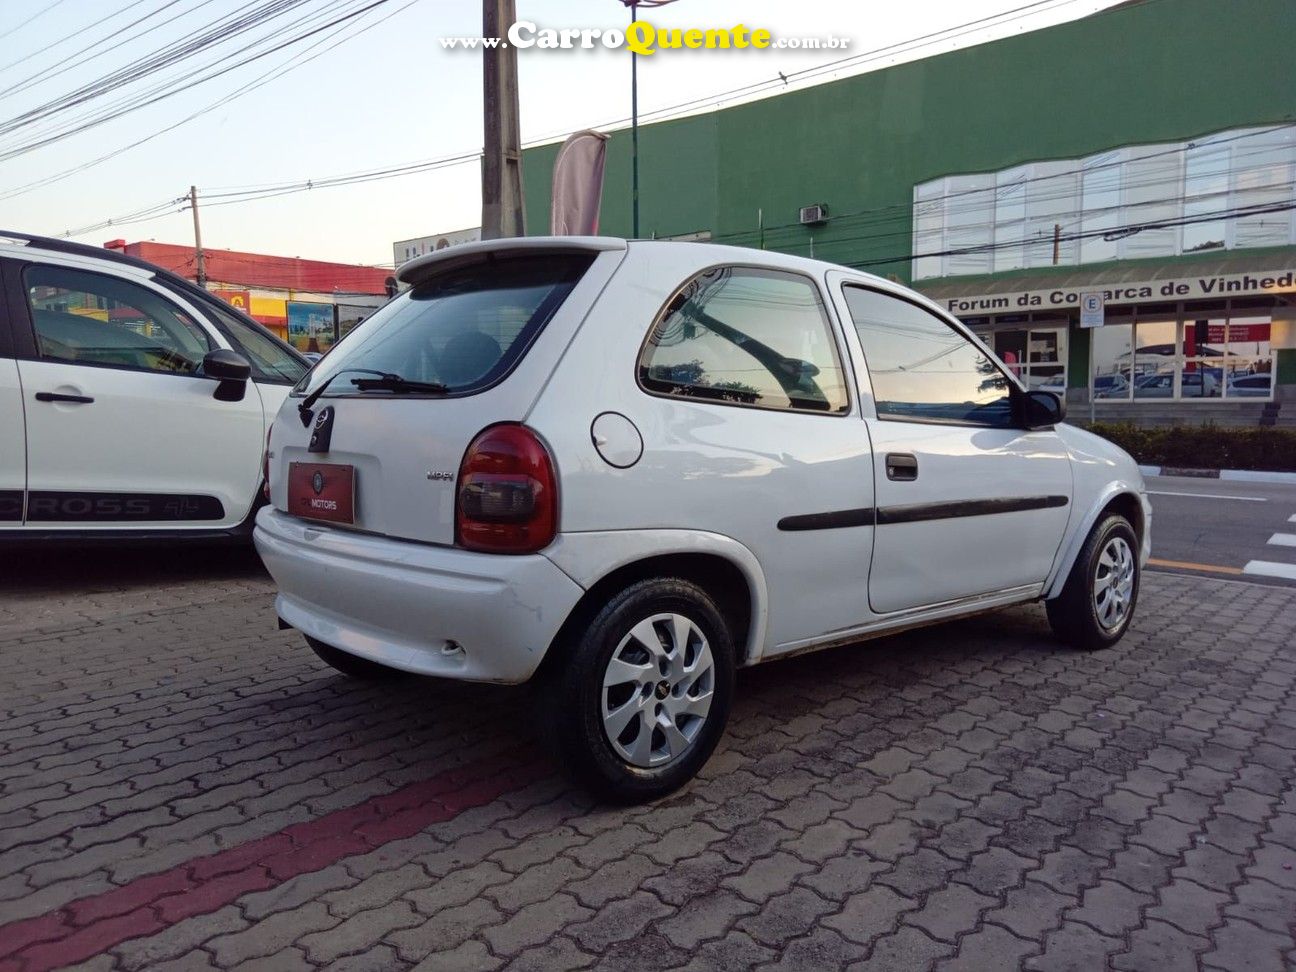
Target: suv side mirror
x=231, y=370
x=1042, y=409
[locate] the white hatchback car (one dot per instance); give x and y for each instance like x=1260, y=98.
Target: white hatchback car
x=133, y=404
x=631, y=468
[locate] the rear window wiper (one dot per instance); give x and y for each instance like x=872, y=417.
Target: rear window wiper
x=307, y=403
x=398, y=384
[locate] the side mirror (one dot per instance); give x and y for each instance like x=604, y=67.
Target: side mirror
x=231, y=370
x=1042, y=409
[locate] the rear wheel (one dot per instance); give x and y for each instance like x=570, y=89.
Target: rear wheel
x=349, y=664
x=643, y=693
x=1097, y=602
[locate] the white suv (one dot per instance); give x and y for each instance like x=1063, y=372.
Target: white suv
x=630, y=468
x=133, y=404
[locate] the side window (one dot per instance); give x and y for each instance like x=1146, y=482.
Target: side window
x=270, y=360
x=922, y=369
x=95, y=319
x=746, y=336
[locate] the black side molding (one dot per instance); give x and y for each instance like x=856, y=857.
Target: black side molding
x=828, y=521
x=916, y=513
x=959, y=508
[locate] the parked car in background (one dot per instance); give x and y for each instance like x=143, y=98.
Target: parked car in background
x=138, y=401
x=1193, y=384
x=1250, y=386
x=628, y=469
x=1111, y=386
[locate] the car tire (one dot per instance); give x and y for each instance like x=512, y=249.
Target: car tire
x=351, y=665
x=611, y=673
x=1097, y=603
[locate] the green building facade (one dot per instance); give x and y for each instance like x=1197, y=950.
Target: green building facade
x=1146, y=153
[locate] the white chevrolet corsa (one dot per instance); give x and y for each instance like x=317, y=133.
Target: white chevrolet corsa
x=631, y=468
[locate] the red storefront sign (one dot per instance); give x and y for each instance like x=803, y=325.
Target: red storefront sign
x=1212, y=337
x=240, y=299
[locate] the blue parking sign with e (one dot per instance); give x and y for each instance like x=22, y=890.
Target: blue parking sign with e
x=1091, y=310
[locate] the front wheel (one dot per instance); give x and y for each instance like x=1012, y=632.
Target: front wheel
x=1097, y=602
x=643, y=693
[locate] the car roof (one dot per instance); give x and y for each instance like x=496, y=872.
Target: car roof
x=465, y=253
x=17, y=243
x=48, y=244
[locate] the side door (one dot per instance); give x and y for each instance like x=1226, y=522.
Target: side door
x=13, y=452
x=969, y=502
x=756, y=435
x=123, y=430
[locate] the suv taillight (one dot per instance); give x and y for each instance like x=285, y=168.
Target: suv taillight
x=265, y=465
x=508, y=493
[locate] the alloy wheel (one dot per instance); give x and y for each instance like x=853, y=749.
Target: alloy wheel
x=1113, y=587
x=657, y=690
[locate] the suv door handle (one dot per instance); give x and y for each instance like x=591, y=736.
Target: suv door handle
x=901, y=467
x=60, y=397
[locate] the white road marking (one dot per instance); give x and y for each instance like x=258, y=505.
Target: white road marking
x=1283, y=539
x=1249, y=499
x=1267, y=568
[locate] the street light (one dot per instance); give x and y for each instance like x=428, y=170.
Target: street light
x=634, y=6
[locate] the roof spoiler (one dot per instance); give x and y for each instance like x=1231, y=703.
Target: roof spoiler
x=468, y=253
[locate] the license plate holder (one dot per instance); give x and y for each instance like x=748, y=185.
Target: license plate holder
x=322, y=491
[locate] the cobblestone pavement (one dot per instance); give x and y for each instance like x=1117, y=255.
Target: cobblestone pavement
x=184, y=787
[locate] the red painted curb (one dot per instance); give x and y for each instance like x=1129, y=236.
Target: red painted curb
x=84, y=928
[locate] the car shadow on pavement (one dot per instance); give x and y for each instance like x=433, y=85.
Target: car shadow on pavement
x=874, y=677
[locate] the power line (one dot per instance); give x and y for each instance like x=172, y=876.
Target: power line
x=67, y=37
x=274, y=190
x=75, y=60
x=1111, y=232
x=905, y=210
x=140, y=98
x=914, y=43
x=299, y=59
x=171, y=88
x=782, y=80
x=208, y=35
x=39, y=13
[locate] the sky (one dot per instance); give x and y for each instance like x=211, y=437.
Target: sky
x=387, y=94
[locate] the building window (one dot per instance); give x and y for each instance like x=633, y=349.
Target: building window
x=1037, y=355
x=1218, y=192
x=1200, y=354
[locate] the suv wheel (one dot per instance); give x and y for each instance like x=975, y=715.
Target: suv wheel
x=644, y=692
x=349, y=664
x=1097, y=602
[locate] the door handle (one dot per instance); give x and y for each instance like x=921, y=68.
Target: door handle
x=60, y=397
x=901, y=467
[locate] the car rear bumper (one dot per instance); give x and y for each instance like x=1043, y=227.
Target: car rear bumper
x=420, y=608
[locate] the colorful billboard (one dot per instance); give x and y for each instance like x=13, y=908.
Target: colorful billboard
x=310, y=326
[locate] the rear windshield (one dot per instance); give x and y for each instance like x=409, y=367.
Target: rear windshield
x=464, y=329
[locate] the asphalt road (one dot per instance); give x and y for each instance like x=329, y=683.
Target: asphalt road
x=1224, y=528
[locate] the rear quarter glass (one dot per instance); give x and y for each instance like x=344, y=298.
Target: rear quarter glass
x=466, y=328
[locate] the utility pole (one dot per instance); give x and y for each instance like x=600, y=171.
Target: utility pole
x=634, y=127
x=1057, y=243
x=200, y=259
x=502, y=200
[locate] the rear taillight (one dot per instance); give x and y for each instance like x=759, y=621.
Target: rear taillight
x=265, y=465
x=508, y=493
